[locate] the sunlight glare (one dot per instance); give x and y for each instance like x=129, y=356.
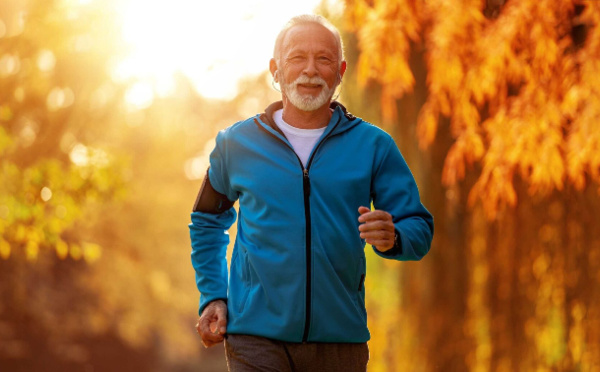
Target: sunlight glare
x=46, y=194
x=79, y=155
x=46, y=60
x=2, y=29
x=214, y=44
x=60, y=98
x=195, y=168
x=139, y=96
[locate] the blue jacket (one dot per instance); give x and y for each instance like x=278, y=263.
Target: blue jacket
x=298, y=263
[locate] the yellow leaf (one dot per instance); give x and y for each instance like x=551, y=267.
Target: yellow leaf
x=75, y=252
x=31, y=250
x=427, y=124
x=4, y=249
x=62, y=249
x=91, y=252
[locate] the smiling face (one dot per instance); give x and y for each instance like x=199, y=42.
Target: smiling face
x=309, y=66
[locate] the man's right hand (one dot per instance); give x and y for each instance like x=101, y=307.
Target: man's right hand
x=212, y=324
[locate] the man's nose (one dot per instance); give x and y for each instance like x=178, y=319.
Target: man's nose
x=311, y=67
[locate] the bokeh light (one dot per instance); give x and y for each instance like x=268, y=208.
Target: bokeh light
x=212, y=43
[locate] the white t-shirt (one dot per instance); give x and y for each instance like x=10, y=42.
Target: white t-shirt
x=302, y=140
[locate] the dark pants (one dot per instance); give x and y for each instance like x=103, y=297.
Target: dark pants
x=252, y=353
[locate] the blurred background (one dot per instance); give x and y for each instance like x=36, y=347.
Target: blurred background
x=108, y=110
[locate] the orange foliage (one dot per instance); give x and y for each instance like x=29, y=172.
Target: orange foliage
x=385, y=33
x=521, y=94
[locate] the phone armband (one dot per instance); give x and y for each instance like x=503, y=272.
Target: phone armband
x=211, y=201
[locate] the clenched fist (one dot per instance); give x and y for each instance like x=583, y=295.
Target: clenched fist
x=212, y=324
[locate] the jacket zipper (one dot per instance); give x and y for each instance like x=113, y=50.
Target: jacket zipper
x=307, y=221
x=306, y=180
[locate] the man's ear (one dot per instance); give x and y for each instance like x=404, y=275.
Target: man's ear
x=342, y=69
x=273, y=69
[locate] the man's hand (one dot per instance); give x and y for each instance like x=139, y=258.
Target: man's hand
x=376, y=228
x=212, y=324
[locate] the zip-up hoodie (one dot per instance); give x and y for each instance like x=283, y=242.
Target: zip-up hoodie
x=298, y=264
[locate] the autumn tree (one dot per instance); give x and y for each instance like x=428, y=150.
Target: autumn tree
x=57, y=114
x=503, y=98
x=96, y=190
x=91, y=274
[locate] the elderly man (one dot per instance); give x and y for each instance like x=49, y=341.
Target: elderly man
x=305, y=173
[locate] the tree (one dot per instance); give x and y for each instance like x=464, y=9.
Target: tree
x=95, y=194
x=503, y=97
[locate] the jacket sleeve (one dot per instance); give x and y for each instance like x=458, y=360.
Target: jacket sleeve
x=210, y=238
x=209, y=235
x=395, y=191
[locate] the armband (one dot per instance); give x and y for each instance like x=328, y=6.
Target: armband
x=210, y=200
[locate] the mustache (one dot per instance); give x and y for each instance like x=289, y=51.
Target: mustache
x=315, y=80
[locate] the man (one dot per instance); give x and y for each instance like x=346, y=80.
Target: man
x=305, y=173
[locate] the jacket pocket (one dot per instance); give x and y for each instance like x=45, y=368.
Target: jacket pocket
x=360, y=276
x=359, y=289
x=244, y=285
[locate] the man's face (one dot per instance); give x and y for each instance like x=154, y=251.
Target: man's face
x=309, y=66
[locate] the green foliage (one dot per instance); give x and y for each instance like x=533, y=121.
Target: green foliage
x=95, y=196
x=53, y=171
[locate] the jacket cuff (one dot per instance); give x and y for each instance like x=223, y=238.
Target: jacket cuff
x=396, y=249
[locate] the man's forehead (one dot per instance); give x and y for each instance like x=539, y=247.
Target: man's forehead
x=310, y=33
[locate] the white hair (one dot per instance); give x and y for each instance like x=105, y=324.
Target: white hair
x=308, y=19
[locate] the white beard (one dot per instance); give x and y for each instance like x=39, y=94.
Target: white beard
x=307, y=102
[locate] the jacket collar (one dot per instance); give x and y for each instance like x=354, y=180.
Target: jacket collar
x=267, y=116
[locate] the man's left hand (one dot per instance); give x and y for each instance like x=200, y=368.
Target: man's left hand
x=376, y=228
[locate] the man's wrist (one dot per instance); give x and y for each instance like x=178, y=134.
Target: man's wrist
x=397, y=248
x=212, y=303
x=217, y=301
